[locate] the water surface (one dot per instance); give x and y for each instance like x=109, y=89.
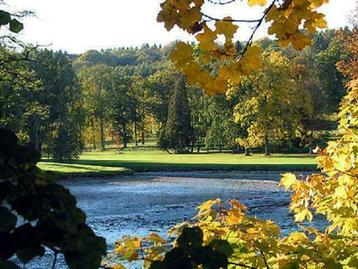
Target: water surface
x=153, y=202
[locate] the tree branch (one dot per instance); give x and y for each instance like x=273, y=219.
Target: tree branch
x=242, y=265
x=220, y=2
x=260, y=21
x=231, y=20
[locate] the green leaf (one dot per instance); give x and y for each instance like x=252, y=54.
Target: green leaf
x=7, y=220
x=332, y=264
x=5, y=17
x=222, y=246
x=16, y=26
x=177, y=259
x=27, y=254
x=190, y=238
x=291, y=265
x=7, y=264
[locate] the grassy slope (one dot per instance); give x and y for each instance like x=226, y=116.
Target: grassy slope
x=162, y=161
x=77, y=170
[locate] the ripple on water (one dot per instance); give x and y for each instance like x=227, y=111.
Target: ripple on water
x=154, y=202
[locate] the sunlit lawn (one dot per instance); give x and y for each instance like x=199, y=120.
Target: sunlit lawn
x=73, y=170
x=162, y=161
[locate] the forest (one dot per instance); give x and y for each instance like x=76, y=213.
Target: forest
x=63, y=104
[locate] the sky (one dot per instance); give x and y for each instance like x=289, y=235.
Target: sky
x=80, y=25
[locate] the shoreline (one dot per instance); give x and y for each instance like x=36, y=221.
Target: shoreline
x=256, y=175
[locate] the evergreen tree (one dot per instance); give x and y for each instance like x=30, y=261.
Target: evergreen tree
x=177, y=134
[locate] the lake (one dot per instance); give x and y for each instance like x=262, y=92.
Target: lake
x=153, y=202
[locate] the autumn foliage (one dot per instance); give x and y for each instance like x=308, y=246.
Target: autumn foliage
x=285, y=17
x=223, y=229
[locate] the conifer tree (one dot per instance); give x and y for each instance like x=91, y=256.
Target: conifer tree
x=177, y=134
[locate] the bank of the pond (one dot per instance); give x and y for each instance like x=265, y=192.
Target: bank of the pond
x=110, y=163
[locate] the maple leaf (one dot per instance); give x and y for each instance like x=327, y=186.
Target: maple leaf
x=207, y=39
x=257, y=2
x=190, y=17
x=226, y=28
x=182, y=54
x=251, y=60
x=288, y=180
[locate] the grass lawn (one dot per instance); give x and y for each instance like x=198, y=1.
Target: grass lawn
x=79, y=170
x=142, y=161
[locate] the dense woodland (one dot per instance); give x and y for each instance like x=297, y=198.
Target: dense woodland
x=63, y=104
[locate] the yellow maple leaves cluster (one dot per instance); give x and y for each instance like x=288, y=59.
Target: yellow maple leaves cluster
x=286, y=18
x=256, y=243
x=334, y=192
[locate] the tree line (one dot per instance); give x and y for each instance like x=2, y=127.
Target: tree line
x=63, y=103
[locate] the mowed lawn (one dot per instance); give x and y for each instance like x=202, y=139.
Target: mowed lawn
x=143, y=161
x=78, y=170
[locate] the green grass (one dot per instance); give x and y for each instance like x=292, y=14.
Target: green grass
x=65, y=170
x=161, y=161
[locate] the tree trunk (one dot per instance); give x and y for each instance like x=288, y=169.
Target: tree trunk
x=247, y=152
x=143, y=134
x=93, y=134
x=34, y=136
x=124, y=138
x=311, y=142
x=49, y=142
x=136, y=133
x=267, y=152
x=103, y=146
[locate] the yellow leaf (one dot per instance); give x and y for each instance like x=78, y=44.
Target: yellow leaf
x=117, y=266
x=190, y=17
x=231, y=74
x=303, y=214
x=251, y=60
x=155, y=238
x=257, y=2
x=226, y=28
x=206, y=206
x=300, y=41
x=182, y=54
x=340, y=192
x=288, y=180
x=207, y=39
x=238, y=205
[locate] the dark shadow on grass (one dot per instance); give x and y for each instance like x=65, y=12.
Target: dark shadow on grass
x=138, y=166
x=90, y=167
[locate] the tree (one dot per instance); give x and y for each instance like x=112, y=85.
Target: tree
x=200, y=119
x=222, y=130
x=122, y=109
x=159, y=86
x=96, y=85
x=56, y=104
x=272, y=104
x=38, y=96
x=37, y=213
x=177, y=133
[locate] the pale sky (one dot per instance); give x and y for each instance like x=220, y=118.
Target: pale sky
x=80, y=25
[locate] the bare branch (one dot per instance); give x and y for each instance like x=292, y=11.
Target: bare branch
x=230, y=20
x=220, y=2
x=261, y=20
x=242, y=265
